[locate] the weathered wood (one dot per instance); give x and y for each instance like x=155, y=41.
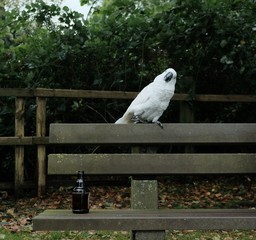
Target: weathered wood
x=144, y=194
x=15, y=141
x=163, y=219
x=41, y=150
x=10, y=141
x=16, y=92
x=19, y=150
x=84, y=93
x=146, y=164
x=187, y=115
x=224, y=98
x=40, y=140
x=187, y=107
x=44, y=92
x=152, y=133
x=144, y=223
x=41, y=183
x=148, y=235
x=10, y=185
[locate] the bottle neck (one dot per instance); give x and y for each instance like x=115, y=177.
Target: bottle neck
x=80, y=175
x=80, y=183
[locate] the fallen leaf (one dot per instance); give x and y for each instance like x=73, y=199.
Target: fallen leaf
x=11, y=212
x=2, y=236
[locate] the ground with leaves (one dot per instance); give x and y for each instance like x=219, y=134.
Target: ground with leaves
x=184, y=192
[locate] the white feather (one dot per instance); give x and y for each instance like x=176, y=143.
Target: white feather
x=153, y=100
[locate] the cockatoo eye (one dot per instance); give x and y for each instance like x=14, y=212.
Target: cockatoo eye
x=168, y=77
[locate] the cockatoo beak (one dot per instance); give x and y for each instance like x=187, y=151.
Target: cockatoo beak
x=168, y=77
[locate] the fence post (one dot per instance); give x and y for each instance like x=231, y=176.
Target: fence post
x=187, y=114
x=41, y=149
x=19, y=150
x=187, y=107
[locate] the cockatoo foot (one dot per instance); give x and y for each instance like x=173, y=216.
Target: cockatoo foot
x=136, y=119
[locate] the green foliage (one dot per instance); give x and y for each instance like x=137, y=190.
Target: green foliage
x=211, y=41
x=123, y=45
x=39, y=47
x=38, y=52
x=214, y=42
x=123, y=32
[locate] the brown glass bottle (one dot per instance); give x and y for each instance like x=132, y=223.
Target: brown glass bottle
x=80, y=195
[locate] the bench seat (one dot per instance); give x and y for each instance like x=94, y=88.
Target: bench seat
x=142, y=219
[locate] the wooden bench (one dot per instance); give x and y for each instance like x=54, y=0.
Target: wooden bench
x=144, y=218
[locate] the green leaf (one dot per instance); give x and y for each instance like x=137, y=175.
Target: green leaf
x=223, y=43
x=66, y=9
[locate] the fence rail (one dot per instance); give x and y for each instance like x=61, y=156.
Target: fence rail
x=16, y=141
x=68, y=93
x=19, y=141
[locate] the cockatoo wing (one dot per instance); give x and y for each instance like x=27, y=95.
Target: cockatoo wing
x=136, y=106
x=142, y=98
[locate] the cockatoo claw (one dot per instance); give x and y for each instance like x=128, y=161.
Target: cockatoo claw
x=159, y=124
x=137, y=119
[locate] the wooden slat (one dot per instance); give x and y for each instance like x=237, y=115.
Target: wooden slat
x=41, y=149
x=41, y=92
x=40, y=140
x=16, y=92
x=44, y=92
x=180, y=219
x=23, y=140
x=15, y=140
x=152, y=133
x=19, y=149
x=10, y=185
x=224, y=98
x=139, y=164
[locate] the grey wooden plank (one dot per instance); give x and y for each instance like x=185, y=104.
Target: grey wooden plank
x=137, y=164
x=152, y=133
x=164, y=219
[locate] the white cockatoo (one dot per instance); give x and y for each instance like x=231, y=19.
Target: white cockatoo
x=152, y=101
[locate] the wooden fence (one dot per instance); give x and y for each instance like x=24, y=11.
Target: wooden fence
x=19, y=141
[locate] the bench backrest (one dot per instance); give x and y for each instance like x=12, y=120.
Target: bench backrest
x=155, y=163
x=152, y=133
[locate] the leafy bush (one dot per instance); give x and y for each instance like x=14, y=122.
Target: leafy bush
x=214, y=42
x=123, y=45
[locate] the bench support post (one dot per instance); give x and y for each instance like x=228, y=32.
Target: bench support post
x=148, y=235
x=144, y=195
